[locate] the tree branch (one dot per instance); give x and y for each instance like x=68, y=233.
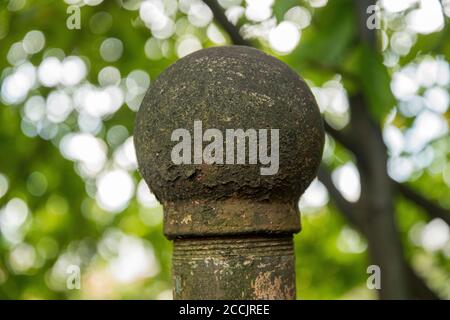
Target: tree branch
x=340, y=136
x=222, y=19
x=433, y=209
x=347, y=208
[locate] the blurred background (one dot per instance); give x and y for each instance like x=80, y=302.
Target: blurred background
x=73, y=74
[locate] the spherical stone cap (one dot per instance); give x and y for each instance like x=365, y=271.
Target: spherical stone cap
x=230, y=87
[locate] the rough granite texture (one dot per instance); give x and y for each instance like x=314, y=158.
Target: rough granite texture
x=229, y=88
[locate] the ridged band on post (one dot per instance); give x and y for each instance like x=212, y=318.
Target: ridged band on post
x=232, y=226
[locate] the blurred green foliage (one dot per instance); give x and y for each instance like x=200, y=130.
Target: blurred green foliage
x=66, y=225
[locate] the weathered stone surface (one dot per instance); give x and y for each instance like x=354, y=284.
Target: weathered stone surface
x=229, y=87
x=245, y=268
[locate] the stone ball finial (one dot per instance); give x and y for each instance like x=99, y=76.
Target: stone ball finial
x=208, y=191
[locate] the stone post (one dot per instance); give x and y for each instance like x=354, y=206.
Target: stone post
x=232, y=222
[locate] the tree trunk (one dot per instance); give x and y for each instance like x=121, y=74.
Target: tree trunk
x=377, y=204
